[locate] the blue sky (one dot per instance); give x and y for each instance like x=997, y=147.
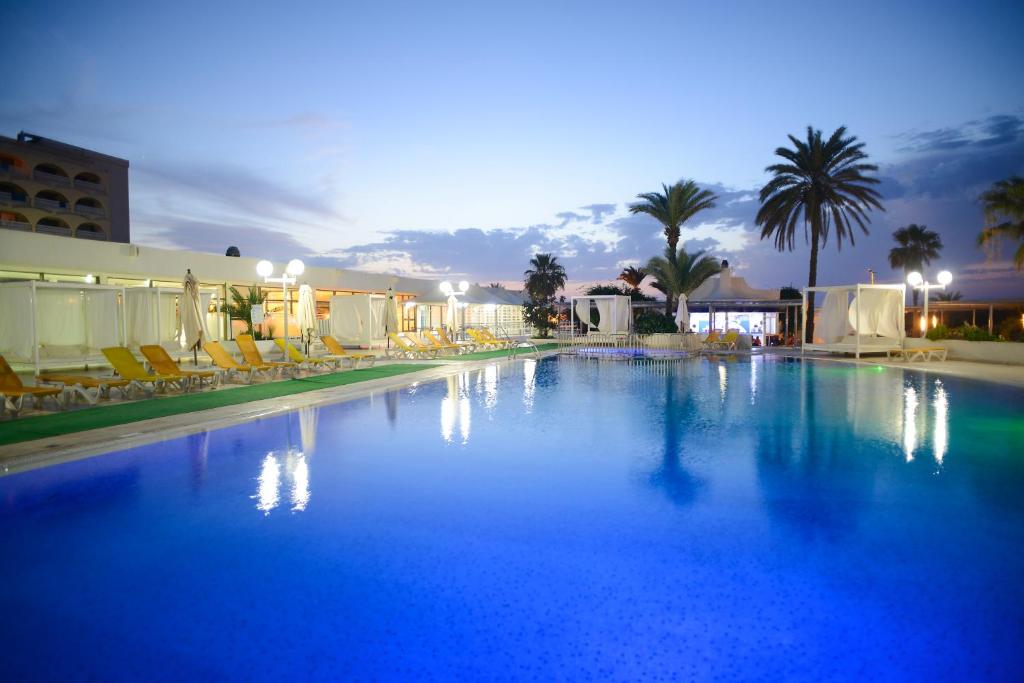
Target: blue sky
x=455, y=138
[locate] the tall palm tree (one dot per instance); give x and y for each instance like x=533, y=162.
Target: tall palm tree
x=947, y=296
x=680, y=272
x=633, y=277
x=822, y=186
x=1004, y=215
x=546, y=277
x=917, y=247
x=674, y=206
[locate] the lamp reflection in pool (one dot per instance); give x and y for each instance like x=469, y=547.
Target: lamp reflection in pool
x=909, y=422
x=529, y=382
x=269, y=483
x=940, y=437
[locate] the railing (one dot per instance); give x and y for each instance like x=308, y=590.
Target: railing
x=50, y=204
x=626, y=345
x=87, y=210
x=53, y=229
x=91, y=235
x=13, y=199
x=88, y=185
x=52, y=178
x=15, y=225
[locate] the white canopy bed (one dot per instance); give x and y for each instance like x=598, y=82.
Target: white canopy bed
x=858, y=319
x=358, y=319
x=615, y=314
x=54, y=324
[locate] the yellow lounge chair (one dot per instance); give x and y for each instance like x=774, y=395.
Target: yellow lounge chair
x=162, y=363
x=728, y=342
x=126, y=365
x=90, y=388
x=481, y=340
x=426, y=346
x=252, y=355
x=296, y=356
x=406, y=349
x=710, y=340
x=14, y=392
x=488, y=335
x=440, y=345
x=231, y=367
x=338, y=351
x=443, y=336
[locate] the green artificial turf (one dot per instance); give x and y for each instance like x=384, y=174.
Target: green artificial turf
x=57, y=424
x=500, y=353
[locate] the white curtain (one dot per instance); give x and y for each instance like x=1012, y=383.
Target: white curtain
x=347, y=318
x=102, y=319
x=15, y=321
x=377, y=318
x=880, y=313
x=832, y=326
x=60, y=321
x=622, y=313
x=583, y=313
x=604, y=315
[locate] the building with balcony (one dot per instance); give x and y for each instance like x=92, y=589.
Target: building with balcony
x=54, y=188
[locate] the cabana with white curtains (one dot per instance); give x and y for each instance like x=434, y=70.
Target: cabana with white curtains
x=153, y=316
x=50, y=324
x=858, y=319
x=615, y=313
x=358, y=319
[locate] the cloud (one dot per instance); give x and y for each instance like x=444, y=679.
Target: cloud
x=1000, y=129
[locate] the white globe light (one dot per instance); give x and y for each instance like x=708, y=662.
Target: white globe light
x=463, y=286
x=446, y=287
x=295, y=267
x=914, y=279
x=264, y=268
x=945, y=277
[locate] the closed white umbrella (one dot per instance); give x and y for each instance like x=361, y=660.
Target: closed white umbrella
x=307, y=314
x=451, y=315
x=682, y=315
x=193, y=317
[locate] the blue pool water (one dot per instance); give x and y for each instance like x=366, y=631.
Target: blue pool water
x=545, y=520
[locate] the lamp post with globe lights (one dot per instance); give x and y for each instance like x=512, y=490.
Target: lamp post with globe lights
x=917, y=281
x=294, y=269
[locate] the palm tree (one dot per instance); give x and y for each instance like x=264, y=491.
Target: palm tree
x=545, y=278
x=240, y=307
x=1004, y=214
x=917, y=247
x=633, y=277
x=679, y=272
x=947, y=296
x=674, y=206
x=822, y=185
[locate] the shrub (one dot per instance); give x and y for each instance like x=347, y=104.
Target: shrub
x=1010, y=329
x=972, y=333
x=652, y=322
x=938, y=332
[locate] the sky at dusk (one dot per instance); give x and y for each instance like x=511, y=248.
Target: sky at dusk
x=456, y=139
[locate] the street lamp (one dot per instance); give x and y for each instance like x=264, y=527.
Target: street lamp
x=917, y=281
x=295, y=267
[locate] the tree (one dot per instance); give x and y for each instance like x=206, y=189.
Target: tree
x=618, y=290
x=822, y=186
x=1004, y=215
x=917, y=247
x=633, y=277
x=679, y=272
x=674, y=206
x=240, y=306
x=947, y=296
x=543, y=280
x=496, y=285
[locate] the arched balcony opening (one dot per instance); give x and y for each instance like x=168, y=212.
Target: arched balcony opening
x=12, y=194
x=52, y=174
x=89, y=182
x=12, y=220
x=90, y=231
x=13, y=165
x=87, y=206
x=51, y=200
x=53, y=226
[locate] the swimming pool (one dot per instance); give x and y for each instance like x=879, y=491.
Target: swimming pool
x=738, y=519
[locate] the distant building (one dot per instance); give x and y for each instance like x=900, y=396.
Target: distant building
x=54, y=188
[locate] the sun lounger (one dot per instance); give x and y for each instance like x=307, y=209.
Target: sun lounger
x=726, y=343
x=443, y=336
x=440, y=345
x=303, y=361
x=336, y=350
x=252, y=356
x=924, y=353
x=482, y=340
x=162, y=363
x=232, y=368
x=422, y=343
x=15, y=393
x=88, y=387
x=489, y=336
x=710, y=340
x=127, y=366
x=407, y=349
